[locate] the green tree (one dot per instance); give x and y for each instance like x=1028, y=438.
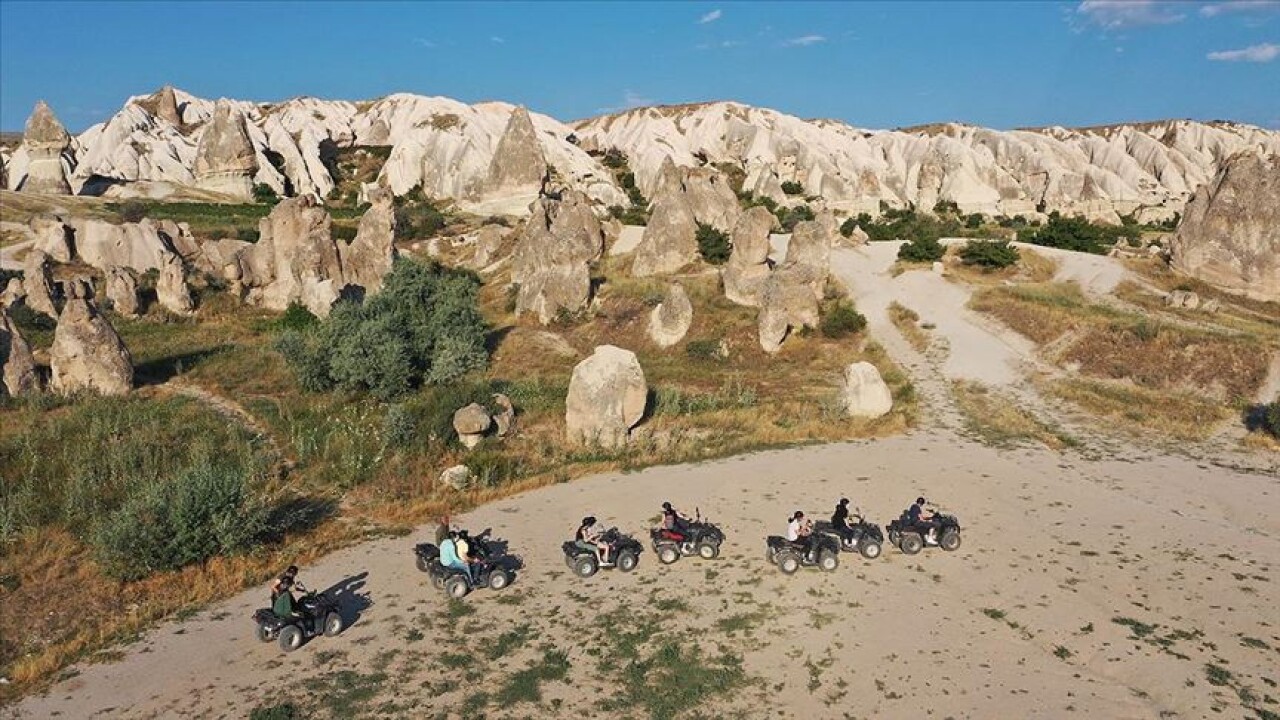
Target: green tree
x=989, y=253
x=713, y=244
x=924, y=249
x=792, y=187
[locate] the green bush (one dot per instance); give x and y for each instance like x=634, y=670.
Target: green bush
x=974, y=221
x=296, y=317
x=989, y=253
x=417, y=217
x=749, y=200
x=283, y=711
x=848, y=226
x=424, y=327
x=399, y=426
x=946, y=207
x=788, y=217
x=633, y=215
x=713, y=244
x=1077, y=234
x=1271, y=418
x=792, y=187
x=205, y=511
x=132, y=211
x=705, y=349
x=262, y=193
x=614, y=159
x=922, y=250
x=907, y=224
x=841, y=320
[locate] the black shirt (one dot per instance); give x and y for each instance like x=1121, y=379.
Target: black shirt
x=840, y=518
x=914, y=513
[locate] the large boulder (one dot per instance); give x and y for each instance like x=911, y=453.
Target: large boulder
x=1230, y=234
x=458, y=477
x=172, y=291
x=607, y=397
x=45, y=142
x=810, y=245
x=471, y=423
x=551, y=263
x=487, y=243
x=37, y=282
x=13, y=293
x=671, y=319
x=370, y=255
x=748, y=267
x=122, y=291
x=294, y=260
x=504, y=420
x=87, y=354
x=864, y=393
x=518, y=166
x=670, y=240
x=141, y=246
x=52, y=237
x=787, y=303
x=18, y=374
x=225, y=158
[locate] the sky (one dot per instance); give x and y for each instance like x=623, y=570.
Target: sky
x=874, y=65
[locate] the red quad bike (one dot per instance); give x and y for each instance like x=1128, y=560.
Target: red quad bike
x=701, y=537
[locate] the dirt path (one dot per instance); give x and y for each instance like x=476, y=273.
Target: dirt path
x=229, y=409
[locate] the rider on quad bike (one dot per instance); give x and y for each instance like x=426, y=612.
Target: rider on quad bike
x=840, y=520
x=923, y=523
x=800, y=532
x=674, y=525
x=588, y=537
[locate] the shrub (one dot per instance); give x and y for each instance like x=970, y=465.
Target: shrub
x=749, y=201
x=424, y=327
x=1271, y=418
x=205, y=511
x=788, y=217
x=922, y=250
x=704, y=349
x=283, y=711
x=848, y=226
x=989, y=253
x=132, y=211
x=842, y=320
x=263, y=194
x=1076, y=234
x=713, y=244
x=974, y=221
x=946, y=207
x=249, y=235
x=792, y=187
x=417, y=216
x=614, y=159
x=296, y=317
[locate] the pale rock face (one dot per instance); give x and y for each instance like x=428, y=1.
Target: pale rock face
x=225, y=160
x=810, y=245
x=712, y=200
x=518, y=167
x=294, y=260
x=140, y=246
x=670, y=320
x=787, y=303
x=471, y=423
x=607, y=397
x=457, y=477
x=1230, y=234
x=166, y=106
x=87, y=354
x=504, y=420
x=670, y=239
x=52, y=237
x=864, y=393
x=367, y=260
x=13, y=293
x=18, y=374
x=748, y=267
x=37, y=282
x=552, y=259
x=487, y=243
x=171, y=287
x=45, y=141
x=857, y=238
x=122, y=291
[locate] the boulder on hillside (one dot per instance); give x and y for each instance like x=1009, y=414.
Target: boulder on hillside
x=171, y=287
x=864, y=393
x=45, y=141
x=471, y=423
x=37, y=282
x=748, y=267
x=294, y=260
x=122, y=291
x=225, y=158
x=486, y=244
x=370, y=255
x=671, y=319
x=787, y=303
x=52, y=237
x=87, y=354
x=670, y=239
x=458, y=478
x=551, y=262
x=18, y=375
x=1230, y=234
x=504, y=420
x=607, y=397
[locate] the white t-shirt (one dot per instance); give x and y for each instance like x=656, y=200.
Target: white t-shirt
x=793, y=530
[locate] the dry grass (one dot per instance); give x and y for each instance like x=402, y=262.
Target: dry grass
x=908, y=323
x=995, y=418
x=1032, y=267
x=1042, y=312
x=1260, y=440
x=1181, y=415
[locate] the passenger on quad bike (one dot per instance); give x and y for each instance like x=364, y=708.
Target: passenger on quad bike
x=588, y=538
x=840, y=520
x=800, y=532
x=450, y=558
x=674, y=525
x=925, y=524
x=290, y=574
x=284, y=603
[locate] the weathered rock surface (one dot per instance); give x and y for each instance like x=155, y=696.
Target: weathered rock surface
x=864, y=393
x=787, y=303
x=670, y=320
x=45, y=141
x=172, y=291
x=518, y=167
x=122, y=291
x=487, y=243
x=1182, y=299
x=670, y=239
x=37, y=282
x=748, y=267
x=141, y=246
x=810, y=245
x=504, y=420
x=552, y=259
x=225, y=160
x=1230, y=234
x=370, y=255
x=87, y=354
x=18, y=375
x=13, y=293
x=607, y=397
x=52, y=237
x=471, y=423
x=294, y=260
x=458, y=477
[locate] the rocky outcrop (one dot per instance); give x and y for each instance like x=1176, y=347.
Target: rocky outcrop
x=787, y=303
x=670, y=320
x=504, y=421
x=607, y=397
x=518, y=166
x=52, y=237
x=141, y=246
x=863, y=393
x=551, y=263
x=87, y=354
x=471, y=423
x=172, y=291
x=165, y=106
x=122, y=292
x=458, y=477
x=294, y=260
x=1230, y=234
x=810, y=245
x=370, y=255
x=18, y=375
x=487, y=243
x=37, y=282
x=670, y=239
x=710, y=198
x=225, y=159
x=748, y=267
x=45, y=142
x=13, y=293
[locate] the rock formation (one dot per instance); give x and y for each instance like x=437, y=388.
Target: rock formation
x=18, y=374
x=225, y=159
x=13, y=293
x=52, y=237
x=518, y=166
x=504, y=420
x=670, y=239
x=122, y=291
x=787, y=303
x=171, y=287
x=710, y=198
x=458, y=477
x=810, y=245
x=1230, y=234
x=864, y=393
x=87, y=354
x=45, y=142
x=487, y=244
x=552, y=259
x=295, y=258
x=165, y=106
x=748, y=267
x=671, y=319
x=369, y=256
x=37, y=282
x=141, y=246
x=607, y=397
x=471, y=423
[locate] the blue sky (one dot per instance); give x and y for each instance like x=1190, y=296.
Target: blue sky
x=1000, y=64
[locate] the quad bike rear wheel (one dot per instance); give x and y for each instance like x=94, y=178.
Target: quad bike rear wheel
x=627, y=561
x=290, y=638
x=788, y=563
x=668, y=554
x=911, y=543
x=499, y=579
x=828, y=560
x=456, y=587
x=333, y=624
x=262, y=633
x=870, y=549
x=950, y=540
x=708, y=551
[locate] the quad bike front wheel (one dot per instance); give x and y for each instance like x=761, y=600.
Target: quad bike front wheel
x=499, y=579
x=422, y=563
x=262, y=633
x=828, y=560
x=950, y=541
x=911, y=543
x=870, y=549
x=290, y=638
x=333, y=624
x=708, y=551
x=627, y=561
x=456, y=587
x=788, y=563
x=668, y=554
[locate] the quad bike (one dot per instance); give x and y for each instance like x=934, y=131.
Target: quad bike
x=317, y=615
x=790, y=557
x=866, y=537
x=910, y=539
x=624, y=554
x=486, y=570
x=699, y=537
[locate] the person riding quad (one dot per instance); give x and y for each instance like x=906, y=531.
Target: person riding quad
x=675, y=524
x=450, y=557
x=588, y=538
x=290, y=574
x=840, y=520
x=467, y=550
x=284, y=605
x=924, y=523
x=800, y=532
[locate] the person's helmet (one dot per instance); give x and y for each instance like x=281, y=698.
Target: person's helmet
x=453, y=535
x=589, y=520
x=844, y=501
x=291, y=571
x=666, y=506
x=463, y=534
x=919, y=501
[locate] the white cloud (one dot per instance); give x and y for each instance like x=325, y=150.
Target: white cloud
x=710, y=17
x=423, y=42
x=804, y=41
x=1231, y=6
x=1266, y=52
x=1117, y=14
x=496, y=40
x=630, y=100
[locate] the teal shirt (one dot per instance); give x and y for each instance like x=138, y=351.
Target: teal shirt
x=283, y=605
